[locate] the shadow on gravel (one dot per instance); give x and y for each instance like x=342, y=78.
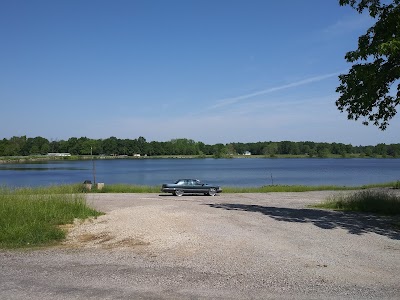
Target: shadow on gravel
x=354, y=223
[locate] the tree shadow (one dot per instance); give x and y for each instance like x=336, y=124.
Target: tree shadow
x=354, y=223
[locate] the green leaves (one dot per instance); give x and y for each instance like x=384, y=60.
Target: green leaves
x=366, y=91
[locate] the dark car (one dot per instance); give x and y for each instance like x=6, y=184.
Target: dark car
x=190, y=186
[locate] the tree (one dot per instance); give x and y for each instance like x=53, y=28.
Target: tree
x=230, y=149
x=367, y=90
x=271, y=149
x=381, y=149
x=110, y=145
x=141, y=143
x=219, y=150
x=14, y=146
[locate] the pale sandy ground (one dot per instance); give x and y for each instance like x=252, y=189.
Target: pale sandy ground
x=231, y=246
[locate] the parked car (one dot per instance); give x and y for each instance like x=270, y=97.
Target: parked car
x=190, y=186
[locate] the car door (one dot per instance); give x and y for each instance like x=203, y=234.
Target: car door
x=185, y=185
x=190, y=186
x=198, y=186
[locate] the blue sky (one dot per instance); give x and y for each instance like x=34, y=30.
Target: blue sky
x=213, y=71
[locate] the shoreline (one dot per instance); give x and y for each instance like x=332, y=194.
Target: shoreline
x=43, y=158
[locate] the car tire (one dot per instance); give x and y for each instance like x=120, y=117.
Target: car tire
x=212, y=192
x=178, y=193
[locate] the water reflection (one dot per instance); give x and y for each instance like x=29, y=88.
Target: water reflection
x=39, y=169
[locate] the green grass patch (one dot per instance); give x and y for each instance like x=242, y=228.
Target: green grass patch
x=397, y=185
x=300, y=188
x=53, y=189
x=127, y=188
x=284, y=188
x=371, y=201
x=30, y=217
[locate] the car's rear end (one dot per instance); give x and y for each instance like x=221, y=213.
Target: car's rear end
x=166, y=188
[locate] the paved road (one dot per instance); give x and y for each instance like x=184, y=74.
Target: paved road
x=232, y=246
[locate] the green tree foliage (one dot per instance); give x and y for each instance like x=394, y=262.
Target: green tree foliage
x=183, y=147
x=110, y=145
x=21, y=146
x=367, y=91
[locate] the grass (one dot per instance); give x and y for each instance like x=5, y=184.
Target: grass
x=128, y=188
x=302, y=188
x=397, y=185
x=282, y=188
x=53, y=189
x=31, y=217
x=370, y=201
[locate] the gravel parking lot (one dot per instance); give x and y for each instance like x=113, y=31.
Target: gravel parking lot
x=231, y=246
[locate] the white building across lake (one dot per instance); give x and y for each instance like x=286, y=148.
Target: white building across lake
x=58, y=154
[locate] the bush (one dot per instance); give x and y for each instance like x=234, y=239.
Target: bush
x=373, y=201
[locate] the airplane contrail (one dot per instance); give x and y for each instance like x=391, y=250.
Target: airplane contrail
x=233, y=100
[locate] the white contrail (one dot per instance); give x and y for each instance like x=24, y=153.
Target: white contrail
x=233, y=100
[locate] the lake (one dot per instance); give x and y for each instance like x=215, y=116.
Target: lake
x=240, y=172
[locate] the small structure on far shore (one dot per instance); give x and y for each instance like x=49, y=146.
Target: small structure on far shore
x=58, y=154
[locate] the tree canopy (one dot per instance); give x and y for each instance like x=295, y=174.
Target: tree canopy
x=368, y=90
x=113, y=146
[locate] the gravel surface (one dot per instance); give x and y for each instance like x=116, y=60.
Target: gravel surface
x=231, y=246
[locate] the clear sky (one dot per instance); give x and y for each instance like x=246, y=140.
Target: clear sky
x=215, y=71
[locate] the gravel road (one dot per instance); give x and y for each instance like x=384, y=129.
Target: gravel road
x=231, y=246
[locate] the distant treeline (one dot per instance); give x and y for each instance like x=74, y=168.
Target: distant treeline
x=23, y=146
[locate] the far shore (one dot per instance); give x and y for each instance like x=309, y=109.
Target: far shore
x=42, y=158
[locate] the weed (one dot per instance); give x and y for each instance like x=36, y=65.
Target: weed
x=31, y=217
x=397, y=185
x=380, y=202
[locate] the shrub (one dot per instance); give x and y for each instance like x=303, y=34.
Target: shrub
x=373, y=201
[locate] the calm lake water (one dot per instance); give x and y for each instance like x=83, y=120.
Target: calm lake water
x=226, y=172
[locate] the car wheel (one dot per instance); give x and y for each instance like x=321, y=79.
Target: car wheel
x=212, y=192
x=178, y=193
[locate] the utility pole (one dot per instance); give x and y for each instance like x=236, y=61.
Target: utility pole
x=94, y=166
